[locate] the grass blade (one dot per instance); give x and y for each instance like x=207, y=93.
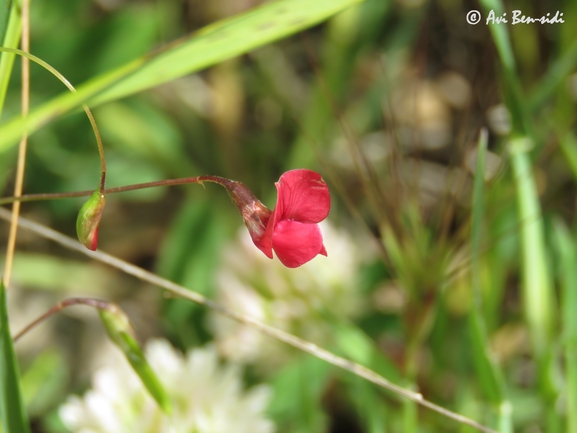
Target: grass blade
x=537, y=292
x=213, y=44
x=490, y=376
x=5, y=8
x=567, y=254
x=12, y=413
x=538, y=295
x=10, y=40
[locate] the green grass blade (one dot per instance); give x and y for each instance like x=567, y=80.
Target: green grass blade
x=478, y=212
x=213, y=44
x=538, y=295
x=490, y=376
x=5, y=8
x=225, y=39
x=567, y=253
x=537, y=291
x=12, y=413
x=11, y=40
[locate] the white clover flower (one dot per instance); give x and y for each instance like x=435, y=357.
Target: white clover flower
x=301, y=301
x=207, y=398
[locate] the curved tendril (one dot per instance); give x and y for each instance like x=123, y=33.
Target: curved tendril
x=70, y=87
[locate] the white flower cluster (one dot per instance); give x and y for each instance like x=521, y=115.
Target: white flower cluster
x=302, y=301
x=207, y=398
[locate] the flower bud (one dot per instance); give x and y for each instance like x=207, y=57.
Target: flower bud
x=89, y=219
x=120, y=332
x=253, y=212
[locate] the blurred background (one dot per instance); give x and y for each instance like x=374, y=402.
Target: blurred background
x=386, y=101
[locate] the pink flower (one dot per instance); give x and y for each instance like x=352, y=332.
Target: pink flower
x=292, y=229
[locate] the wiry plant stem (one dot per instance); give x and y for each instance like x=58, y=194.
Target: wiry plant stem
x=167, y=182
x=91, y=302
x=25, y=44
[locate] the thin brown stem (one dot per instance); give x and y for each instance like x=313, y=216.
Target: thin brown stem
x=167, y=182
x=91, y=302
x=18, y=186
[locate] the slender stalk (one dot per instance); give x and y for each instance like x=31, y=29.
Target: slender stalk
x=96, y=303
x=25, y=55
x=100, y=147
x=167, y=182
x=25, y=44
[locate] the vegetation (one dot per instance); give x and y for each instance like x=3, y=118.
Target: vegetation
x=450, y=153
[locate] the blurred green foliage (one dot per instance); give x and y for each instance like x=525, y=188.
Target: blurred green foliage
x=386, y=100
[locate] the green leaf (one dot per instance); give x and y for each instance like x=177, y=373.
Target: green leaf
x=567, y=253
x=5, y=7
x=211, y=45
x=538, y=295
x=11, y=39
x=489, y=374
x=12, y=413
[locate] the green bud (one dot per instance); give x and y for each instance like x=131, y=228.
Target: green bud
x=89, y=219
x=120, y=332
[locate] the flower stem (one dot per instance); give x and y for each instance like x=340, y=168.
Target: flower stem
x=96, y=303
x=27, y=56
x=21, y=163
x=227, y=183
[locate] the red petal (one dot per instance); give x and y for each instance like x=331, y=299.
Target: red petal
x=303, y=196
x=296, y=243
x=264, y=244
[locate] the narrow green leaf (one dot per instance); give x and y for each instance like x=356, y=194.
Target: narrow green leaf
x=478, y=212
x=5, y=8
x=11, y=40
x=538, y=300
x=12, y=413
x=567, y=253
x=490, y=376
x=213, y=44
x=538, y=296
x=537, y=291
